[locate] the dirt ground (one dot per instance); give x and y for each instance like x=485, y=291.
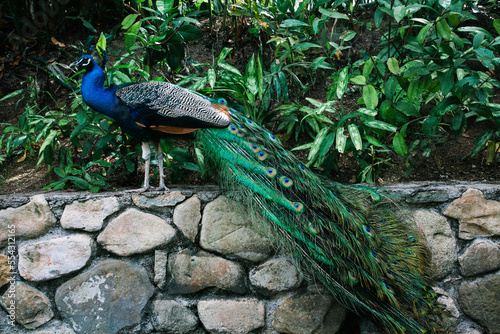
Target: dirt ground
x=449, y=159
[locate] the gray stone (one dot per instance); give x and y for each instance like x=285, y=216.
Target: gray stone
x=160, y=268
x=106, y=298
x=135, y=232
x=301, y=313
x=56, y=327
x=232, y=316
x=172, y=317
x=227, y=229
x=275, y=275
x=30, y=220
x=477, y=216
x=479, y=300
x=440, y=241
x=192, y=273
x=158, y=202
x=480, y=257
x=187, y=216
x=449, y=323
x=333, y=320
x=31, y=307
x=53, y=258
x=430, y=196
x=89, y=215
x=5, y=270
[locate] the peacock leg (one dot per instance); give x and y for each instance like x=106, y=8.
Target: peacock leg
x=146, y=155
x=159, y=156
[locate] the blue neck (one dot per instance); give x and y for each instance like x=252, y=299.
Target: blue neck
x=96, y=96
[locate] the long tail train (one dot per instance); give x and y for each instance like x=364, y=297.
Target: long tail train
x=350, y=238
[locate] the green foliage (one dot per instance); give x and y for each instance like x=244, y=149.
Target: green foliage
x=161, y=34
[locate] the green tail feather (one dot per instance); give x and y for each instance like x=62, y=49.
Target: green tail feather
x=348, y=237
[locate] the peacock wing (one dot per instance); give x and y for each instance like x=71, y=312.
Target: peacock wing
x=157, y=104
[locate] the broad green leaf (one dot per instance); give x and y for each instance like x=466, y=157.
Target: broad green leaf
x=399, y=144
x=392, y=64
x=164, y=6
x=355, y=136
x=332, y=14
x=211, y=77
x=341, y=140
x=414, y=90
x=48, y=142
x=368, y=112
x=496, y=25
x=379, y=16
x=443, y=29
x=348, y=36
x=129, y=20
x=327, y=144
x=251, y=76
x=342, y=82
x=390, y=87
x=446, y=80
x=481, y=142
x=445, y=3
x=190, y=33
x=407, y=108
x=370, y=97
x=222, y=56
x=131, y=35
x=230, y=68
x=376, y=124
x=423, y=33
x=305, y=46
x=430, y=124
x=478, y=39
x=475, y=30
x=368, y=68
x=358, y=80
x=457, y=121
x=101, y=45
x=318, y=141
x=291, y=23
x=399, y=13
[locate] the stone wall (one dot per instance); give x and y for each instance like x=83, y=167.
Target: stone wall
x=189, y=261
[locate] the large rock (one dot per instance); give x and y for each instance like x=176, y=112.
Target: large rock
x=480, y=257
x=227, y=229
x=30, y=220
x=172, y=317
x=106, y=298
x=232, y=316
x=159, y=202
x=89, y=215
x=479, y=300
x=187, y=216
x=275, y=275
x=53, y=258
x=192, y=273
x=30, y=307
x=135, y=232
x=477, y=216
x=440, y=241
x=305, y=313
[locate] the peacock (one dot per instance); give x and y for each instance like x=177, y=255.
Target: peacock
x=353, y=239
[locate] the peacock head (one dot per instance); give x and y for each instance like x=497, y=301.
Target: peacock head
x=83, y=63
